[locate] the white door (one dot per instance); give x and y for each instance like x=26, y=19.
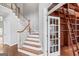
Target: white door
x=53, y=36
x=1, y=34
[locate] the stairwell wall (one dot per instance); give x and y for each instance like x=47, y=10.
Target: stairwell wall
x=10, y=29
x=33, y=16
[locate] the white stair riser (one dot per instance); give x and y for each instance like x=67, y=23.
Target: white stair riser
x=29, y=42
x=32, y=40
x=36, y=32
x=35, y=36
x=35, y=39
x=31, y=47
x=26, y=52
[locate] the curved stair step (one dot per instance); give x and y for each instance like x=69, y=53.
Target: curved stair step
x=26, y=52
x=33, y=45
x=33, y=36
x=35, y=52
x=32, y=40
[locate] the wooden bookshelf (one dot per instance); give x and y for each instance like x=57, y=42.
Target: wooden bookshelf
x=68, y=12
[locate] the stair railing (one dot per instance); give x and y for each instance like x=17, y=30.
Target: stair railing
x=23, y=33
x=27, y=29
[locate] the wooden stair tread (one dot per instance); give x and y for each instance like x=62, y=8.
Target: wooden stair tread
x=32, y=40
x=22, y=54
x=32, y=37
x=38, y=46
x=32, y=51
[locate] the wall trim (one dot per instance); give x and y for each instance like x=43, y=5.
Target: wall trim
x=55, y=8
x=11, y=44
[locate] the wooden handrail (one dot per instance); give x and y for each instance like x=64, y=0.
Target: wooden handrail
x=18, y=12
x=26, y=28
x=23, y=29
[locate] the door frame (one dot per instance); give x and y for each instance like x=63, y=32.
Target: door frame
x=45, y=21
x=48, y=39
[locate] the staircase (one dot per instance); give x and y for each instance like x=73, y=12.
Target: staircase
x=31, y=46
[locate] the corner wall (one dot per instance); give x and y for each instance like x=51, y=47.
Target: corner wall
x=10, y=29
x=43, y=25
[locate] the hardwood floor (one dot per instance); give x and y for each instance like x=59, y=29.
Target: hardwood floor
x=1, y=48
x=67, y=51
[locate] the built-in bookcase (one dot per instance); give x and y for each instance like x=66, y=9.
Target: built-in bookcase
x=53, y=35
x=68, y=12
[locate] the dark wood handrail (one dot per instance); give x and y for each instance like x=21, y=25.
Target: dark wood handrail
x=26, y=28
x=23, y=29
x=18, y=16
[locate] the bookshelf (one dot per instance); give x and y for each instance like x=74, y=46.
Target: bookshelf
x=67, y=12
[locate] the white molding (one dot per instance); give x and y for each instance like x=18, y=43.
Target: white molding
x=55, y=8
x=12, y=44
x=45, y=31
x=50, y=4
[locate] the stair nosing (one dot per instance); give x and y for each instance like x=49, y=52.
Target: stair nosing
x=37, y=39
x=26, y=52
x=32, y=42
x=31, y=47
x=30, y=50
x=33, y=36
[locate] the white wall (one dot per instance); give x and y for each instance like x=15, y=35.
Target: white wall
x=43, y=25
x=31, y=12
x=10, y=29
x=34, y=20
